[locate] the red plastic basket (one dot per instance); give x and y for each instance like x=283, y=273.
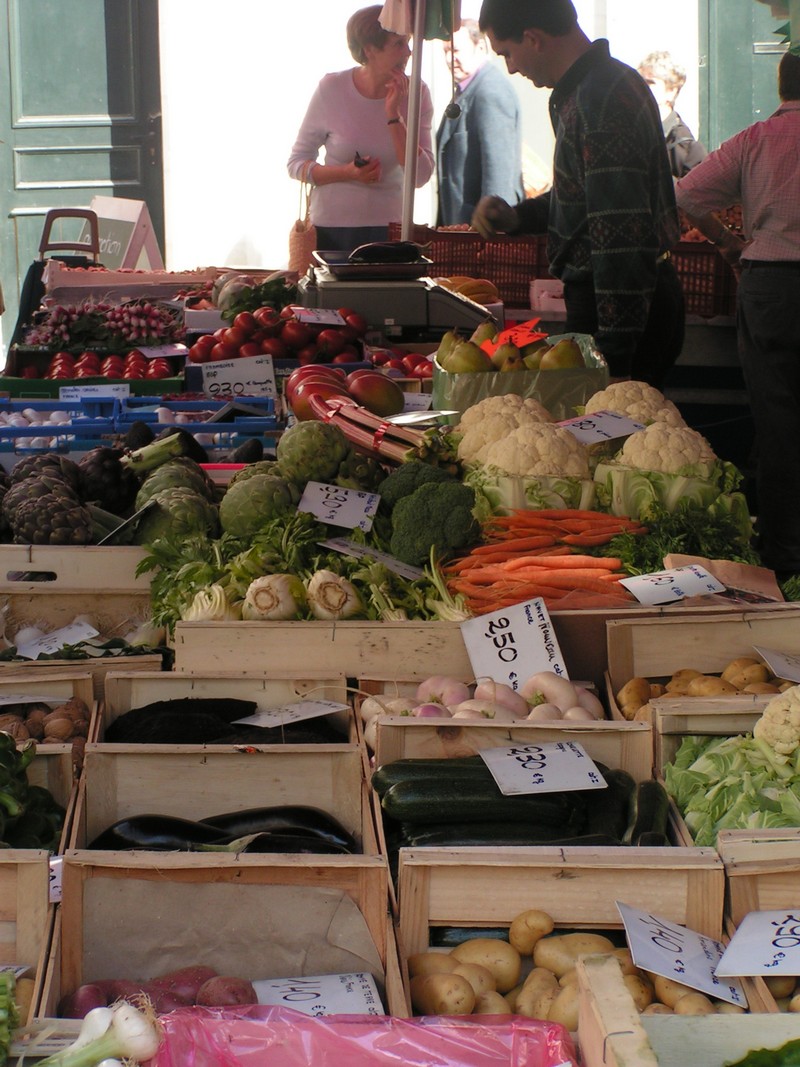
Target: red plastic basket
x=709, y=284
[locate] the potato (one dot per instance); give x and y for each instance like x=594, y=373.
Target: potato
x=511, y=996
x=430, y=963
x=709, y=686
x=657, y=689
x=680, y=679
x=745, y=669
x=632, y=696
x=667, y=990
x=527, y=928
x=560, y=952
x=794, y=1003
x=491, y=1003
x=693, y=1004
x=780, y=985
x=724, y=1007
x=499, y=957
x=570, y=976
x=625, y=960
x=442, y=994
x=538, y=992
x=481, y=979
x=761, y=687
x=640, y=988
x=657, y=1008
x=564, y=1008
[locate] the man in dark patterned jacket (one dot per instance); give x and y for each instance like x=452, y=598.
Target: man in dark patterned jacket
x=610, y=215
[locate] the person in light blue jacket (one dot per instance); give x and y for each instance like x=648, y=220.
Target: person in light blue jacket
x=479, y=141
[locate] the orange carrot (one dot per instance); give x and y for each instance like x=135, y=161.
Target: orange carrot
x=516, y=544
x=609, y=563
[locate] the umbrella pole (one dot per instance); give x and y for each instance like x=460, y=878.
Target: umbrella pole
x=412, y=129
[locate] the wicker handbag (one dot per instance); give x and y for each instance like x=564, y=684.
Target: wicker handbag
x=303, y=235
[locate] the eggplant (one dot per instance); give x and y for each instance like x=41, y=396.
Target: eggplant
x=285, y=819
x=306, y=844
x=165, y=833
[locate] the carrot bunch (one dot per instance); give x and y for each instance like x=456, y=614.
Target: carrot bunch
x=529, y=554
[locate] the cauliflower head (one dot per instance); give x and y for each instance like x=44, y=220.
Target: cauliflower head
x=779, y=725
x=492, y=419
x=539, y=448
x=670, y=449
x=638, y=400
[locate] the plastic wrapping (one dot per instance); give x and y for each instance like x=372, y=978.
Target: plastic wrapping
x=254, y=1035
x=562, y=392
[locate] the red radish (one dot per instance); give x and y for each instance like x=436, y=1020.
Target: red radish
x=222, y=991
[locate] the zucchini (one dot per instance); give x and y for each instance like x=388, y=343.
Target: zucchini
x=610, y=809
x=412, y=769
x=652, y=809
x=468, y=800
x=456, y=835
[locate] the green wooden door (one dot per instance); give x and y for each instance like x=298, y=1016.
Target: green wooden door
x=80, y=116
x=741, y=49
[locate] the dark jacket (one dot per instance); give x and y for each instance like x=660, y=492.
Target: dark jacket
x=684, y=151
x=480, y=152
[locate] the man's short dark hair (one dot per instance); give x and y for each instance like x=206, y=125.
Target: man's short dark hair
x=508, y=19
x=789, y=77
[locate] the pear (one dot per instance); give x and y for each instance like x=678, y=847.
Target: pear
x=505, y=353
x=485, y=332
x=446, y=345
x=565, y=353
x=533, y=360
x=467, y=356
x=514, y=362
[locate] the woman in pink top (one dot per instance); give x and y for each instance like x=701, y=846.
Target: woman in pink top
x=358, y=117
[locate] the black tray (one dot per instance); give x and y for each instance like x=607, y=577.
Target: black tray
x=341, y=267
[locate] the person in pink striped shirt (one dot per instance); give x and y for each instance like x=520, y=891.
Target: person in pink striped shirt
x=758, y=168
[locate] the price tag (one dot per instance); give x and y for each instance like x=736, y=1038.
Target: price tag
x=520, y=334
x=665, y=587
x=326, y=316
x=782, y=664
x=766, y=942
x=414, y=402
x=55, y=641
x=674, y=952
x=512, y=644
x=297, y=712
x=249, y=376
x=600, y=426
x=88, y=392
x=164, y=351
x=54, y=885
x=325, y=994
x=352, y=508
x=548, y=768
x=351, y=548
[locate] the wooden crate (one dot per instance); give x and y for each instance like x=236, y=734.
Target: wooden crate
x=53, y=688
x=655, y=648
x=675, y=719
x=53, y=769
x=26, y=915
x=124, y=691
x=194, y=782
x=129, y=915
x=611, y=1033
x=761, y=870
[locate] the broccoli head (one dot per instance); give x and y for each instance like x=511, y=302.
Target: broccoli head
x=408, y=477
x=437, y=515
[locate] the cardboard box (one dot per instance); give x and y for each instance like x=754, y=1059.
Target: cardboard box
x=26, y=915
x=129, y=915
x=611, y=1033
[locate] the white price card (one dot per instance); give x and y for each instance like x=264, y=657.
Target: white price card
x=352, y=548
x=296, y=712
x=326, y=316
x=414, y=404
x=56, y=639
x=89, y=392
x=248, y=376
x=352, y=508
x=325, y=994
x=672, y=951
x=666, y=587
x=512, y=644
x=600, y=426
x=29, y=698
x=549, y=768
x=169, y=351
x=765, y=942
x=54, y=874
x=782, y=664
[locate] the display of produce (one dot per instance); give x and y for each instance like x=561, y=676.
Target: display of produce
x=30, y=817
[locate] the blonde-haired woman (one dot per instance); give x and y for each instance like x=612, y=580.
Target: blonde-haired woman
x=358, y=116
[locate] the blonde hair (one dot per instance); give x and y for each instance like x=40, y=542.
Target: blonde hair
x=364, y=28
x=661, y=65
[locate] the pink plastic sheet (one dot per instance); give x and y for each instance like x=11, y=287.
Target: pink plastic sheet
x=257, y=1034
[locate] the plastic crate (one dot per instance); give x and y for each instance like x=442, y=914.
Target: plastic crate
x=510, y=262
x=709, y=284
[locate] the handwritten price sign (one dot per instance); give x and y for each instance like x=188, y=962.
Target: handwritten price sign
x=352, y=508
x=510, y=645
x=229, y=378
x=601, y=426
x=664, y=587
x=326, y=994
x=548, y=768
x=766, y=942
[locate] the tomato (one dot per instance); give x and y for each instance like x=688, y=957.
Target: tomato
x=249, y=349
x=275, y=347
x=346, y=356
x=196, y=354
x=330, y=341
x=245, y=321
x=295, y=334
x=86, y=371
x=268, y=319
x=220, y=352
x=287, y=312
x=30, y=372
x=309, y=354
x=423, y=370
x=395, y=364
x=357, y=322
x=158, y=368
x=379, y=356
x=234, y=337
x=133, y=373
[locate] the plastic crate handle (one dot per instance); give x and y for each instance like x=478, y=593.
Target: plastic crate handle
x=77, y=246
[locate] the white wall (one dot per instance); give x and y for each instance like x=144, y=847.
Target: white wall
x=236, y=79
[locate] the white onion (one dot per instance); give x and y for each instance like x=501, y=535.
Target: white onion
x=578, y=714
x=17, y=419
x=545, y=713
x=442, y=689
x=371, y=707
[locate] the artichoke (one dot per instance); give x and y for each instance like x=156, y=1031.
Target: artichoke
x=261, y=466
x=36, y=488
x=47, y=463
x=311, y=452
x=105, y=481
x=180, y=472
x=253, y=502
x=52, y=519
x=176, y=513
x=359, y=471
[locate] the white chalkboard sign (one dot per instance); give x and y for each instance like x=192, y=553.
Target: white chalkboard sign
x=127, y=238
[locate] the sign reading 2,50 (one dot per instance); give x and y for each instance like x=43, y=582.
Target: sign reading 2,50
x=500, y=634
